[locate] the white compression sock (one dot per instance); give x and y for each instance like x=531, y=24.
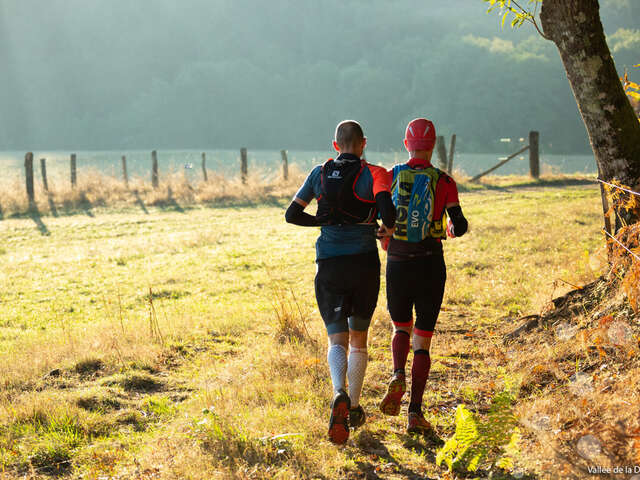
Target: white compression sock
x=357, y=366
x=337, y=358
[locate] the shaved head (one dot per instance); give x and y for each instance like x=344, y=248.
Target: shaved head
x=348, y=134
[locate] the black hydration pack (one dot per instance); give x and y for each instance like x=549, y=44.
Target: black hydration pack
x=339, y=203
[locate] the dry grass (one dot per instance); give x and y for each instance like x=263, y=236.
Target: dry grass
x=96, y=190
x=594, y=381
x=228, y=378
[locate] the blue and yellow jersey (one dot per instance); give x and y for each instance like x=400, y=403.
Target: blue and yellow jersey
x=413, y=192
x=421, y=194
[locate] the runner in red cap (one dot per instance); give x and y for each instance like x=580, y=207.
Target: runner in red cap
x=420, y=135
x=423, y=196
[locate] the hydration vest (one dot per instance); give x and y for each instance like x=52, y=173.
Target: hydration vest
x=413, y=192
x=339, y=203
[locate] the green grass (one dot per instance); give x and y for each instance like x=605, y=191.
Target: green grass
x=187, y=341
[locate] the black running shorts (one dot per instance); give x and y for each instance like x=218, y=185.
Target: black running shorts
x=347, y=291
x=418, y=282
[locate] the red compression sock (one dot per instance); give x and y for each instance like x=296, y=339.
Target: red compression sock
x=400, y=346
x=419, y=375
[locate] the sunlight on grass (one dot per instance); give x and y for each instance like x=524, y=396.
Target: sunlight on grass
x=195, y=333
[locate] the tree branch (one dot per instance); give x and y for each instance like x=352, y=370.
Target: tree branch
x=532, y=18
x=516, y=4
x=535, y=24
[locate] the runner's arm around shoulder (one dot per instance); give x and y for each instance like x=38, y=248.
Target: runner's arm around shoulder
x=460, y=224
x=386, y=208
x=295, y=214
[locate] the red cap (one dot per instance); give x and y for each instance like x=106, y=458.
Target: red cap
x=420, y=134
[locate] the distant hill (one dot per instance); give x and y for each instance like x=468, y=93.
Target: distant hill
x=280, y=74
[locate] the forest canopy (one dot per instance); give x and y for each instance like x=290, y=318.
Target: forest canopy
x=280, y=74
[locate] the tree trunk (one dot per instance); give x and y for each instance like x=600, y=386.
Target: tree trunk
x=613, y=128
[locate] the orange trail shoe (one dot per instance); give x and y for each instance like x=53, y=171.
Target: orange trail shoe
x=390, y=404
x=339, y=421
x=417, y=424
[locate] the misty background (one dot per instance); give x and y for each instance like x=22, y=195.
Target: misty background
x=220, y=74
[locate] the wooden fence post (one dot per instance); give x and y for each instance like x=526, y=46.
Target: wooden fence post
x=154, y=169
x=74, y=176
x=43, y=170
x=204, y=167
x=452, y=150
x=534, y=154
x=244, y=168
x=285, y=164
x=125, y=175
x=28, y=170
x=442, y=152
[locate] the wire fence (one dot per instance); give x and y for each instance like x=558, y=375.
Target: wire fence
x=621, y=244
x=618, y=187
x=634, y=255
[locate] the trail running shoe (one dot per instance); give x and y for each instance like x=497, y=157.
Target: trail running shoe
x=390, y=404
x=417, y=424
x=357, y=416
x=339, y=421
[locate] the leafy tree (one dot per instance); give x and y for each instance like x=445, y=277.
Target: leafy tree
x=575, y=28
x=632, y=90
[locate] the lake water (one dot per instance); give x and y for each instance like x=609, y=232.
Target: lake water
x=266, y=162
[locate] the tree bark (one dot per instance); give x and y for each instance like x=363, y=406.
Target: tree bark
x=613, y=128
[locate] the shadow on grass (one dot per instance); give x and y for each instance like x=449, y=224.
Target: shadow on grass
x=85, y=205
x=52, y=205
x=72, y=206
x=171, y=202
x=139, y=202
x=427, y=445
x=224, y=203
x=497, y=474
x=168, y=203
x=370, y=444
x=552, y=183
x=269, y=201
x=34, y=214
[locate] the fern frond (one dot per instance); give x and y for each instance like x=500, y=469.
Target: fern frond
x=476, y=443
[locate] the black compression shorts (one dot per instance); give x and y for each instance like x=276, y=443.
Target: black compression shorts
x=417, y=282
x=347, y=291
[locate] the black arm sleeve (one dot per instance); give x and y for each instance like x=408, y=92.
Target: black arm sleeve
x=460, y=223
x=295, y=214
x=386, y=208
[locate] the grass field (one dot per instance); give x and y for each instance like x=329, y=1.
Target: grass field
x=176, y=342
